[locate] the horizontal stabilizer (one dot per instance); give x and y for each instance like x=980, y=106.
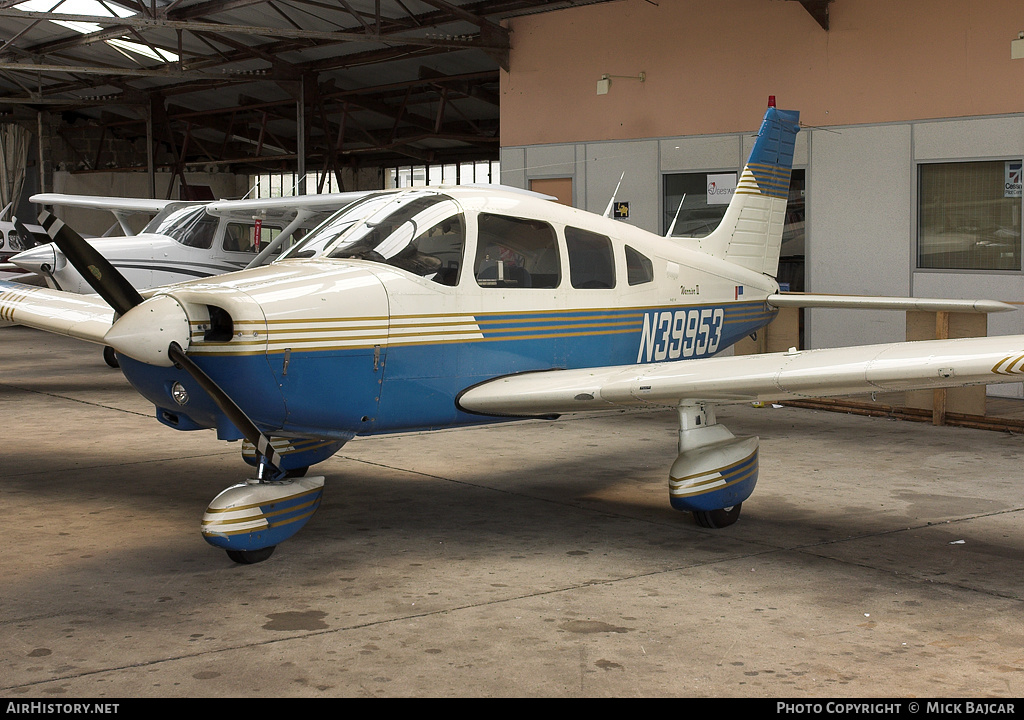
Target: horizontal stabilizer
x=871, y=302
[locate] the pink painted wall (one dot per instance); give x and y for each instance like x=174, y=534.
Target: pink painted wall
x=711, y=64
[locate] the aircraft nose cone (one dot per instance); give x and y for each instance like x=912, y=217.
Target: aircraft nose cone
x=145, y=332
x=32, y=260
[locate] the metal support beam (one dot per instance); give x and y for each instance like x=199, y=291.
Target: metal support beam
x=150, y=166
x=300, y=135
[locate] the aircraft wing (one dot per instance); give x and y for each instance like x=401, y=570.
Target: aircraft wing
x=317, y=206
x=894, y=367
x=85, y=317
x=113, y=204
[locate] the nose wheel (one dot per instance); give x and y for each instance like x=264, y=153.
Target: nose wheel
x=718, y=518
x=251, y=557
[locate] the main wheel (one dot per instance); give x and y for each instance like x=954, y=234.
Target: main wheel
x=249, y=557
x=718, y=518
x=110, y=358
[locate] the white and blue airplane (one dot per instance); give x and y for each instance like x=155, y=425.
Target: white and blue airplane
x=434, y=308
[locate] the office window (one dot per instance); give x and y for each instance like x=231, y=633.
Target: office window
x=705, y=197
x=969, y=215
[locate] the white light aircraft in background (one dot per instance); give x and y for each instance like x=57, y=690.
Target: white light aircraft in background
x=14, y=240
x=442, y=307
x=184, y=240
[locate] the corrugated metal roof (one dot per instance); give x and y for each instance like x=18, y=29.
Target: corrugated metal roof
x=382, y=81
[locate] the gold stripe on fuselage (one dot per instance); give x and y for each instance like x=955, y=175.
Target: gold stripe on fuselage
x=321, y=335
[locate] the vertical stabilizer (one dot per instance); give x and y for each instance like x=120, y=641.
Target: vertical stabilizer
x=750, y=234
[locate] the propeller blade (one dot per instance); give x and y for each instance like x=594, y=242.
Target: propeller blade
x=96, y=269
x=226, y=404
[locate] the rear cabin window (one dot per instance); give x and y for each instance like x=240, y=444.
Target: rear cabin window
x=515, y=252
x=591, y=262
x=639, y=269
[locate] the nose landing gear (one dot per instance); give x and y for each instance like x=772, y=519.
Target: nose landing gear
x=249, y=519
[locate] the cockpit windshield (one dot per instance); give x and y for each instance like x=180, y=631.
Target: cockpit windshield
x=189, y=225
x=423, y=232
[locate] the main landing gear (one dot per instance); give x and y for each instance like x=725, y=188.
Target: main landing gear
x=715, y=470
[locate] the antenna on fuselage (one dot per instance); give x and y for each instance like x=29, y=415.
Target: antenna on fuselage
x=611, y=203
x=673, y=225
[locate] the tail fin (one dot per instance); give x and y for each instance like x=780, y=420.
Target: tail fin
x=750, y=234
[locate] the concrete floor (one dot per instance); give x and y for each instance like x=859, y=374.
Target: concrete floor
x=875, y=559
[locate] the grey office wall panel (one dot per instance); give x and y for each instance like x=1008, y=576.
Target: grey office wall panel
x=971, y=139
x=716, y=152
x=859, y=202
x=550, y=161
x=636, y=162
x=513, y=167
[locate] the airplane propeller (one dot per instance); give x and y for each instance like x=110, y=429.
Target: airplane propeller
x=111, y=285
x=115, y=289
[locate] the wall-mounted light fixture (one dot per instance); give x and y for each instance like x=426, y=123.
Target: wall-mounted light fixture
x=606, y=81
x=1017, y=47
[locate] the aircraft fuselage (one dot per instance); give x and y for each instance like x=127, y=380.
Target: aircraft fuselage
x=331, y=347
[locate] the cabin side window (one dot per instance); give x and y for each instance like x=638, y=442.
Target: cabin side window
x=515, y=252
x=421, y=233
x=639, y=269
x=191, y=226
x=591, y=262
x=241, y=237
x=436, y=253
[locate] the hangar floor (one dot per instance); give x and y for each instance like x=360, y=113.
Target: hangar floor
x=876, y=559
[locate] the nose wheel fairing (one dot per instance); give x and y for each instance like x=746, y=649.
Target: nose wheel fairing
x=255, y=515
